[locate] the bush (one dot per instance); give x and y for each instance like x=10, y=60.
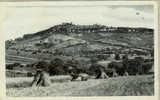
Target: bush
x=118, y=67
x=146, y=67
x=57, y=67
x=117, y=57
x=9, y=66
x=42, y=65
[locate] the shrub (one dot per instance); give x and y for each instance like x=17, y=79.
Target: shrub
x=117, y=57
x=9, y=66
x=42, y=65
x=118, y=67
x=57, y=67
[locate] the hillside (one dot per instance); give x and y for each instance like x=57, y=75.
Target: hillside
x=68, y=39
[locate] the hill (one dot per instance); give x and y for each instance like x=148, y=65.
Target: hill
x=68, y=39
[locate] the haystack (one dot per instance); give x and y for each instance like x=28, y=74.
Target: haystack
x=41, y=78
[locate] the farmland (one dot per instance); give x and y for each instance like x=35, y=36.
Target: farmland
x=60, y=52
x=62, y=86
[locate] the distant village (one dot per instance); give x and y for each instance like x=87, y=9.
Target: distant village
x=70, y=28
x=95, y=28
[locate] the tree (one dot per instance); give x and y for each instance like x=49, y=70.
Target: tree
x=57, y=67
x=9, y=66
x=117, y=57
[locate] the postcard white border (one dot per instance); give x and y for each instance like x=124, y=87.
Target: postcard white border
x=80, y=3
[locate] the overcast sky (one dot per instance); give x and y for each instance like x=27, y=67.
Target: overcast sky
x=24, y=20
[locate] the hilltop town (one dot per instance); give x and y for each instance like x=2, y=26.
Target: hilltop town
x=95, y=28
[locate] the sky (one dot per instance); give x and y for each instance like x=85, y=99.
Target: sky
x=25, y=20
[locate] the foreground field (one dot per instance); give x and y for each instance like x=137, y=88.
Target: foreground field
x=61, y=86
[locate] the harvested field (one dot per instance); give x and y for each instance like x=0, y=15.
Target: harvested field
x=62, y=86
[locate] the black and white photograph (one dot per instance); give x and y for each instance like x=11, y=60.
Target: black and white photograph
x=79, y=49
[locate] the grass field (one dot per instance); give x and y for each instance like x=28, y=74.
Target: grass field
x=62, y=86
